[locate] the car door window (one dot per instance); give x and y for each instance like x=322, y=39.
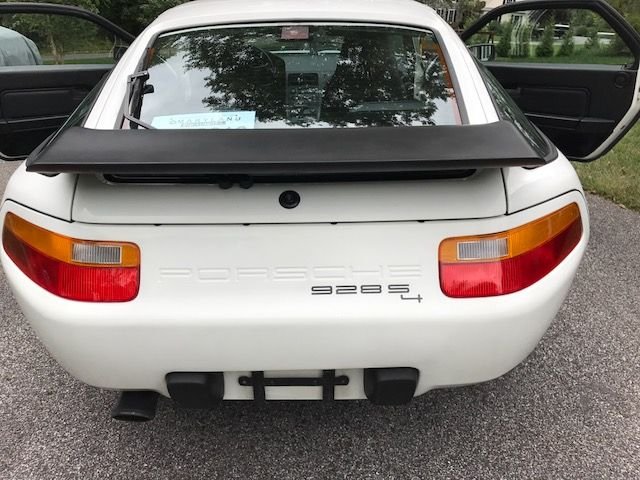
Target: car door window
x=508, y=110
x=28, y=39
x=50, y=60
x=551, y=36
x=571, y=67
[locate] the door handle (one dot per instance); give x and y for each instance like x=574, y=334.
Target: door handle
x=622, y=79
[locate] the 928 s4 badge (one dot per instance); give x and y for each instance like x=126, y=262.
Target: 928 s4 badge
x=402, y=290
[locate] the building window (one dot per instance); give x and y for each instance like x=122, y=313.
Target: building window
x=449, y=14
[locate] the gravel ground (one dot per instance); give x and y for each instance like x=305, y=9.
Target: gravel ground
x=572, y=410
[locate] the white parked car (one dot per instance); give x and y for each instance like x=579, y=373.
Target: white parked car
x=308, y=200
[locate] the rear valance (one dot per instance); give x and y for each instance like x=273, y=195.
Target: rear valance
x=287, y=152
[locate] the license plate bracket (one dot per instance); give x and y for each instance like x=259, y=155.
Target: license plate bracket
x=328, y=381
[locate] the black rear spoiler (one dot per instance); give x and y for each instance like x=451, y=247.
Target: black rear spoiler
x=287, y=152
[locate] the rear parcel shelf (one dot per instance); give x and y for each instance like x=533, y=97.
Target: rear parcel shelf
x=290, y=153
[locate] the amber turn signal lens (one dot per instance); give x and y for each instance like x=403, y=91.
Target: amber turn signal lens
x=70, y=268
x=506, y=262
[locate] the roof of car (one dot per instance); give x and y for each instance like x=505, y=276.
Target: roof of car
x=216, y=12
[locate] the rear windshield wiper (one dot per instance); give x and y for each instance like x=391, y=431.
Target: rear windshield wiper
x=136, y=88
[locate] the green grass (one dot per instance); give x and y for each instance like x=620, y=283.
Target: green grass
x=579, y=56
x=617, y=175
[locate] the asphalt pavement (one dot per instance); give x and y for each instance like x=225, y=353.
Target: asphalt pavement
x=572, y=410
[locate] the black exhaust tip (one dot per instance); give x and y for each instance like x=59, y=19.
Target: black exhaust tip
x=136, y=406
x=390, y=386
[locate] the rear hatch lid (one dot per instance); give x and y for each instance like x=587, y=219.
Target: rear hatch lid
x=472, y=194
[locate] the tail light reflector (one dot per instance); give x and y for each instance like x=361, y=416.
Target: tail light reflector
x=506, y=262
x=70, y=268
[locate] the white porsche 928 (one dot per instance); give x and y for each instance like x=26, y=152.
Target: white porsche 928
x=307, y=199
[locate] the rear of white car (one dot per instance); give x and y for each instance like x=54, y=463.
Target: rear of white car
x=293, y=297
x=381, y=289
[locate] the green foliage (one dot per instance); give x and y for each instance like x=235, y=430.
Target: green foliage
x=135, y=16
x=618, y=47
x=55, y=33
x=582, y=31
x=524, y=43
x=593, y=42
x=617, y=175
x=568, y=45
x=493, y=28
x=545, y=49
x=503, y=49
x=467, y=11
x=132, y=16
x=630, y=9
x=583, y=21
x=87, y=4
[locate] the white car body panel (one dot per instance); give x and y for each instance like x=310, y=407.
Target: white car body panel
x=245, y=304
x=226, y=275
x=472, y=197
x=49, y=195
x=526, y=187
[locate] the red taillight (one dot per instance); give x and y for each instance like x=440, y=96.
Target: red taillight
x=73, y=269
x=506, y=262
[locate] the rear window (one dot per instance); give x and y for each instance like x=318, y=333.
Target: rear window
x=296, y=76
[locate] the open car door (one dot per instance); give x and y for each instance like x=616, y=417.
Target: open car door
x=51, y=57
x=571, y=66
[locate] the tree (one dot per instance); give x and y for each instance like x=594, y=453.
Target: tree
x=135, y=16
x=568, y=45
x=503, y=49
x=467, y=11
x=593, y=42
x=56, y=33
x=617, y=47
x=545, y=49
x=630, y=9
x=492, y=30
x=524, y=42
x=59, y=33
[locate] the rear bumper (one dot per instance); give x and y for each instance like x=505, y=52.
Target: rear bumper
x=197, y=312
